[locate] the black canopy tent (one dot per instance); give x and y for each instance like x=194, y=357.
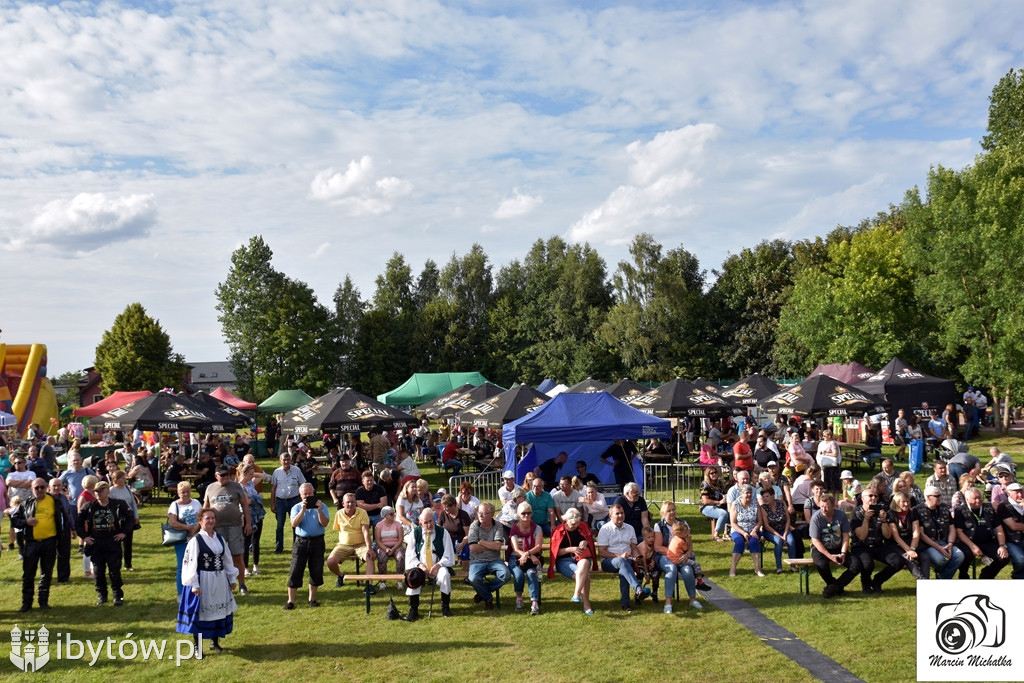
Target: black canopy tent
x=166, y=412
x=433, y=407
x=822, y=395
x=344, y=410
x=468, y=399
x=902, y=385
x=679, y=398
x=505, y=407
x=587, y=386
x=749, y=390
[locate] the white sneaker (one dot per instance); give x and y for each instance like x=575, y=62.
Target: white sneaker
x=382, y=585
x=255, y=570
x=695, y=604
x=668, y=609
x=248, y=573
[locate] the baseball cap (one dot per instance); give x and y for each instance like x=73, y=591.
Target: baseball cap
x=508, y=474
x=772, y=463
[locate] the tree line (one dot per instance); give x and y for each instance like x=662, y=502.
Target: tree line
x=934, y=280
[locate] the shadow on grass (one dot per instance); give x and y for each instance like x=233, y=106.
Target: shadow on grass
x=367, y=649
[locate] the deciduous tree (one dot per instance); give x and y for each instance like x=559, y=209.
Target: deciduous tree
x=136, y=354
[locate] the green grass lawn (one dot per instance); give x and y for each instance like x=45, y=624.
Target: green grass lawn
x=874, y=637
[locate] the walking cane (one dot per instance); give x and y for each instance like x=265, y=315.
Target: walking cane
x=430, y=611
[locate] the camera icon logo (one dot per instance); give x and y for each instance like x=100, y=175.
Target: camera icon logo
x=973, y=622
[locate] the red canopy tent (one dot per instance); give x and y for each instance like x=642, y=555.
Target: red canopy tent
x=232, y=400
x=112, y=402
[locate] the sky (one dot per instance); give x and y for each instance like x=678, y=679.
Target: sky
x=142, y=143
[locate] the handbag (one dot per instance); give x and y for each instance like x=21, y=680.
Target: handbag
x=172, y=536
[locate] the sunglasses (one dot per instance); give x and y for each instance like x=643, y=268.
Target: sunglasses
x=38, y=488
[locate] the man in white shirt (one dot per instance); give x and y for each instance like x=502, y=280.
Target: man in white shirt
x=616, y=546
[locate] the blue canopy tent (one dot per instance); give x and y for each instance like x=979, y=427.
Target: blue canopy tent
x=582, y=425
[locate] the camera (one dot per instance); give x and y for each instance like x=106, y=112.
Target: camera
x=972, y=622
x=876, y=507
x=310, y=502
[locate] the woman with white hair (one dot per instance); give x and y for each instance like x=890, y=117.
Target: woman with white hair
x=746, y=529
x=572, y=552
x=635, y=509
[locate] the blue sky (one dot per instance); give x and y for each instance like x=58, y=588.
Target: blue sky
x=140, y=144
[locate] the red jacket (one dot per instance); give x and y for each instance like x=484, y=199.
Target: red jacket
x=557, y=534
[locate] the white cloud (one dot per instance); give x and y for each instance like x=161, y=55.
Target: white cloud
x=661, y=172
x=358, y=190
x=518, y=204
x=320, y=251
x=88, y=222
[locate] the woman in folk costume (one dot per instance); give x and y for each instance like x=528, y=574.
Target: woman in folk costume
x=208, y=576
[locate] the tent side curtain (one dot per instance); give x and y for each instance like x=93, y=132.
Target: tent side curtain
x=424, y=386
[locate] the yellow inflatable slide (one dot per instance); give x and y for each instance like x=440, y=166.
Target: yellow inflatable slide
x=25, y=390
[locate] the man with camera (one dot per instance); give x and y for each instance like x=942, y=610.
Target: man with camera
x=872, y=540
x=309, y=522
x=980, y=535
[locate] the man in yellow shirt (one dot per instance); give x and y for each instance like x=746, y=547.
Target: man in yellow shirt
x=42, y=522
x=353, y=526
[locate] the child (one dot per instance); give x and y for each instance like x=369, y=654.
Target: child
x=680, y=552
x=646, y=563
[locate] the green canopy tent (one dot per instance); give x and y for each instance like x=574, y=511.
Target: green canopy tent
x=282, y=401
x=424, y=386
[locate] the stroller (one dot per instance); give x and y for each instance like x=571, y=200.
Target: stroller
x=950, y=448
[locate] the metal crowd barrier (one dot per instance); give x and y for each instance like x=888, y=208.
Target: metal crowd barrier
x=485, y=485
x=678, y=482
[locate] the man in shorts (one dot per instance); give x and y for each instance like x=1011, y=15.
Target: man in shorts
x=353, y=526
x=227, y=498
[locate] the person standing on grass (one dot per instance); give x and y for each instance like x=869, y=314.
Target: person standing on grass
x=101, y=525
x=207, y=608
x=234, y=523
x=250, y=481
x=284, y=495
x=56, y=487
x=41, y=518
x=309, y=521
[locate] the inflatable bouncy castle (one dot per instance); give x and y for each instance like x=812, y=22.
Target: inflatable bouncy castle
x=25, y=391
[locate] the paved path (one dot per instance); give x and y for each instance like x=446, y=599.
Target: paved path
x=821, y=667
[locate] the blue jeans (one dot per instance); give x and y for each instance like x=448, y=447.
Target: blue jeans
x=777, y=544
x=545, y=527
x=627, y=578
x=520, y=576
x=282, y=508
x=1016, y=551
x=955, y=470
x=720, y=516
x=944, y=569
x=669, y=575
x=179, y=553
x=478, y=572
x=739, y=543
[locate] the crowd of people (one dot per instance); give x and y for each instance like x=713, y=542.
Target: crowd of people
x=786, y=490
x=872, y=530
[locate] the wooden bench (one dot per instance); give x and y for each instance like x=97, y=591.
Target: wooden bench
x=370, y=579
x=802, y=565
